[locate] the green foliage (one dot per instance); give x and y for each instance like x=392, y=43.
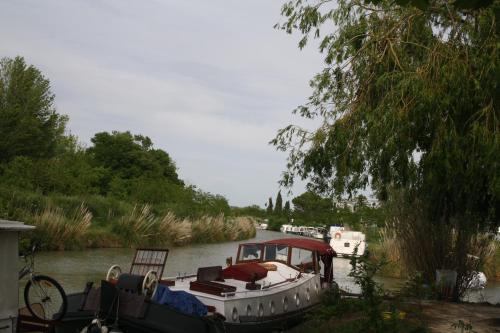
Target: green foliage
x=278, y=207
x=47, y=174
x=29, y=124
x=363, y=271
x=287, y=210
x=253, y=210
x=315, y=210
x=129, y=156
x=462, y=326
x=368, y=313
x=462, y=5
x=408, y=100
x=312, y=209
x=269, y=208
x=274, y=222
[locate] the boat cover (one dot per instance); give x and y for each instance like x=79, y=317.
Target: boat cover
x=308, y=244
x=179, y=300
x=248, y=272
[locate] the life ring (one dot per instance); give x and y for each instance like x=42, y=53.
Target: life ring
x=338, y=235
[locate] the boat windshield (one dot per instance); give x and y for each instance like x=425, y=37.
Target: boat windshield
x=276, y=252
x=302, y=259
x=250, y=252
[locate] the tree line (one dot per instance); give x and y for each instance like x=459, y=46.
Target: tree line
x=38, y=156
x=310, y=208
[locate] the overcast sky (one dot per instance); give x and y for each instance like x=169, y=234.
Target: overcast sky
x=209, y=81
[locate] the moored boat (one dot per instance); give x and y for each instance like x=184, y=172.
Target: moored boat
x=347, y=243
x=262, y=226
x=270, y=285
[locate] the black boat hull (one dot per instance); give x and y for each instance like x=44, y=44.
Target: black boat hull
x=163, y=319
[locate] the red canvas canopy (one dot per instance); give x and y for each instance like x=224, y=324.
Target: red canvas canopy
x=248, y=272
x=308, y=244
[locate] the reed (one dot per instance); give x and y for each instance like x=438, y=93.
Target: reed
x=239, y=228
x=60, y=227
x=57, y=231
x=174, y=231
x=139, y=228
x=208, y=229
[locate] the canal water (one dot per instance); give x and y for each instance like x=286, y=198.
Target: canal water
x=74, y=268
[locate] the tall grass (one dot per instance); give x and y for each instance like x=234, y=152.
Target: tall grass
x=136, y=228
x=239, y=228
x=174, y=231
x=417, y=242
x=68, y=223
x=57, y=231
x=141, y=228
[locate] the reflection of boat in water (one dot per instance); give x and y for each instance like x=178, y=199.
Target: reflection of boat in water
x=347, y=243
x=271, y=285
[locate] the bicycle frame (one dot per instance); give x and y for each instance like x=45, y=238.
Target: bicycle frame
x=29, y=268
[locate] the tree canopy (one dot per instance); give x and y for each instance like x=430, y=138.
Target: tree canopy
x=408, y=100
x=270, y=208
x=131, y=156
x=29, y=123
x=278, y=207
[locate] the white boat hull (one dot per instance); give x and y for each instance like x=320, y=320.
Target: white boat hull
x=279, y=299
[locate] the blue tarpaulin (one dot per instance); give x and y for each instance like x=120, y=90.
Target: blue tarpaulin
x=179, y=300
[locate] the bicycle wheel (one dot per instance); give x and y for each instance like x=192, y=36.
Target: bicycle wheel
x=45, y=298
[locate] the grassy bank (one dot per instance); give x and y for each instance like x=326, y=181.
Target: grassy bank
x=71, y=223
x=57, y=231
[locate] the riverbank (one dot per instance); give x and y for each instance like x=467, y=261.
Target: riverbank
x=93, y=221
x=141, y=227
x=416, y=316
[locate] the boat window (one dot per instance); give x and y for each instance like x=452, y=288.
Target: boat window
x=273, y=252
x=302, y=259
x=250, y=252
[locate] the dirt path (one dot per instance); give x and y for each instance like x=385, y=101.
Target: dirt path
x=441, y=315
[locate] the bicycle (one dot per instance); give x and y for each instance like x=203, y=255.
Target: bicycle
x=44, y=297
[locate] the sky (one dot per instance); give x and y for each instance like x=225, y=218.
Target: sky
x=210, y=82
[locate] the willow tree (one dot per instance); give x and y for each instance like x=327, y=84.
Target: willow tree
x=408, y=99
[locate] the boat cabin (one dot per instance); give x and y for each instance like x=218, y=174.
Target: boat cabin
x=305, y=255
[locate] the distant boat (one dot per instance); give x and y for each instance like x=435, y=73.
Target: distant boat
x=316, y=232
x=262, y=226
x=345, y=243
x=307, y=231
x=290, y=229
x=286, y=228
